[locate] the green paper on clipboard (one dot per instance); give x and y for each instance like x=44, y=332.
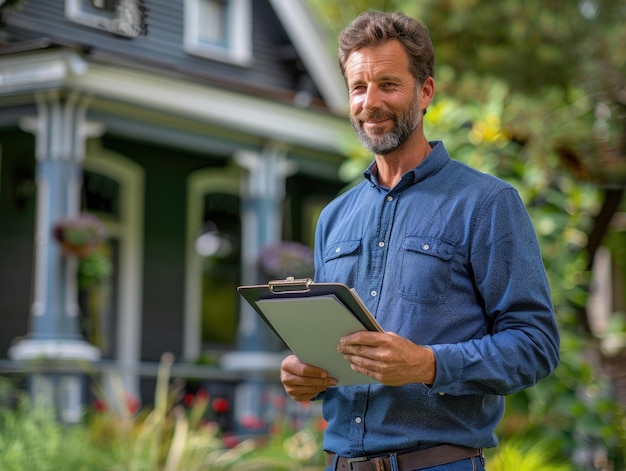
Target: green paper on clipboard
x=311, y=318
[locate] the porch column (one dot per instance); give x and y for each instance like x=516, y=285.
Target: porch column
x=61, y=130
x=259, y=349
x=262, y=197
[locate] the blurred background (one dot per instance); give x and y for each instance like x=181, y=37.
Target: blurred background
x=156, y=154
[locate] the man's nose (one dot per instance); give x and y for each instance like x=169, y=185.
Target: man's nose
x=372, y=98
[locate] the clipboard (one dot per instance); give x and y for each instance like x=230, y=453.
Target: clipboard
x=311, y=318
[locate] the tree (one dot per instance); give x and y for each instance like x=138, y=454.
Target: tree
x=535, y=92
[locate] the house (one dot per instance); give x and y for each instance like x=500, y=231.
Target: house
x=167, y=120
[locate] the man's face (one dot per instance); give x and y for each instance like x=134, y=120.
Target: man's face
x=384, y=97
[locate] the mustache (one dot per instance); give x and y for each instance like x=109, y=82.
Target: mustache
x=375, y=115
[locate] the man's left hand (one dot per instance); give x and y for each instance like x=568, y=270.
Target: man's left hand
x=389, y=358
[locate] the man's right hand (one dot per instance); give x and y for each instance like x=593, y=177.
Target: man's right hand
x=303, y=382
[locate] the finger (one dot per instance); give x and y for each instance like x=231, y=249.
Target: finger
x=358, y=351
x=367, y=372
x=371, y=339
x=304, y=390
x=295, y=367
x=362, y=361
x=298, y=380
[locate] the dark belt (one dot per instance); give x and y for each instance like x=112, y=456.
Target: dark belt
x=410, y=461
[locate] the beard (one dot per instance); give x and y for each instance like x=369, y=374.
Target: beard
x=381, y=142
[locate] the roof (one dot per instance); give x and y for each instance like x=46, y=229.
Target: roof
x=304, y=32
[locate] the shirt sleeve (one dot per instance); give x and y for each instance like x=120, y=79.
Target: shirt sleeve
x=523, y=345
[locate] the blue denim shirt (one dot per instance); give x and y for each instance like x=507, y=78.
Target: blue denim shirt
x=448, y=258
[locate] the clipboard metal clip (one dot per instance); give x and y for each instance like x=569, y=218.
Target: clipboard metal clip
x=290, y=285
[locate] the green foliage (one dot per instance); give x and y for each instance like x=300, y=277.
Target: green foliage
x=31, y=438
x=167, y=437
x=520, y=455
x=93, y=269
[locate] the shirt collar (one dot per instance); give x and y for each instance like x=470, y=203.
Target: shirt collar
x=436, y=158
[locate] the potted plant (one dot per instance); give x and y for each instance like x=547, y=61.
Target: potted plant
x=83, y=237
x=287, y=258
x=79, y=236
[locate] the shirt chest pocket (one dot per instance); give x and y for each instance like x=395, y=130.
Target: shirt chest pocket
x=341, y=261
x=425, y=269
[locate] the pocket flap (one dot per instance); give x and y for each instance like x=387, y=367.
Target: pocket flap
x=341, y=249
x=429, y=246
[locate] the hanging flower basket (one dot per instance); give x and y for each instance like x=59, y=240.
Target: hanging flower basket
x=79, y=236
x=285, y=259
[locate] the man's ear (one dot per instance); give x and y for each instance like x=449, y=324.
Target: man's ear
x=427, y=92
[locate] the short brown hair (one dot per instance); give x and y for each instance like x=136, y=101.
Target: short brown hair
x=373, y=28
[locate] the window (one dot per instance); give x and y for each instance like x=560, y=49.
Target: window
x=214, y=261
x=219, y=29
x=100, y=195
x=221, y=260
x=121, y=17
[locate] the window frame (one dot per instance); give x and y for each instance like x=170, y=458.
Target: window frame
x=239, y=33
x=77, y=11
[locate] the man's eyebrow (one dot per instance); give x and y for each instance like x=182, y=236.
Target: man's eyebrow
x=389, y=78
x=382, y=78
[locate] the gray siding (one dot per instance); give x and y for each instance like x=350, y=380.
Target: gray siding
x=274, y=69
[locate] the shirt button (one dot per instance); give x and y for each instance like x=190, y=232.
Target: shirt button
x=390, y=198
x=442, y=393
x=425, y=246
x=381, y=244
x=373, y=292
x=357, y=420
x=338, y=249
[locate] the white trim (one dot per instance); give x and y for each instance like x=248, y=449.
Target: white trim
x=265, y=118
x=199, y=183
x=239, y=32
x=311, y=45
x=37, y=71
x=252, y=361
x=34, y=349
x=42, y=242
x=172, y=95
x=130, y=232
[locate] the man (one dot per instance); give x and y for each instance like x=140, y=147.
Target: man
x=445, y=258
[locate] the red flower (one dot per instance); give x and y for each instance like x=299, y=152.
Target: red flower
x=188, y=399
x=132, y=404
x=220, y=405
x=231, y=440
x=252, y=422
x=99, y=405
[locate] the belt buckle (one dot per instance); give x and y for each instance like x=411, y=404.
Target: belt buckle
x=360, y=459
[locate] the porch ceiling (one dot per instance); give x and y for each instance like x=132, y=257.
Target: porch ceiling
x=174, y=102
